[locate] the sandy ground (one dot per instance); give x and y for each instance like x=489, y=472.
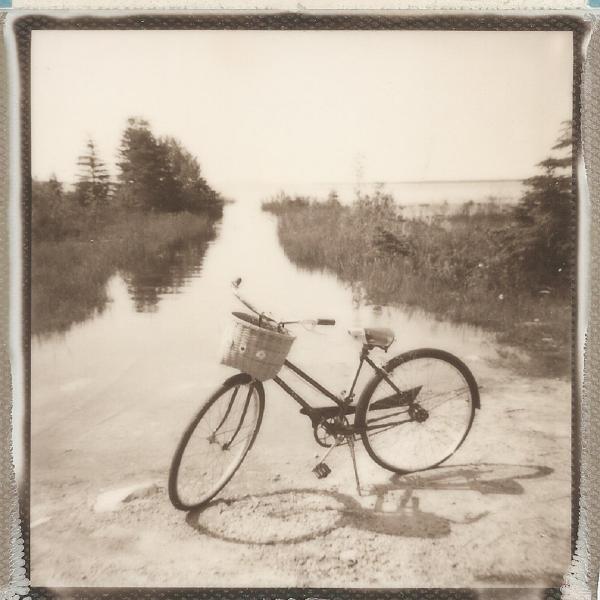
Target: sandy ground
x=498, y=514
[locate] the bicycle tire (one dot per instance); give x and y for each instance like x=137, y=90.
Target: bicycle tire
x=395, y=363
x=241, y=379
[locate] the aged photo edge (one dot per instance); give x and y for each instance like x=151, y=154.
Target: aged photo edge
x=582, y=578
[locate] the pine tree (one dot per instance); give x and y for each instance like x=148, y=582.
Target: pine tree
x=161, y=175
x=93, y=182
x=145, y=178
x=541, y=244
x=193, y=192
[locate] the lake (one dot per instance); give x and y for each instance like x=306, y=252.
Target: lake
x=405, y=193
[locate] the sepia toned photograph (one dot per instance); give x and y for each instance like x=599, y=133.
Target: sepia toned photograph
x=302, y=307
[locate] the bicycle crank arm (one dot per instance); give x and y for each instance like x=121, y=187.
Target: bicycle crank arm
x=321, y=469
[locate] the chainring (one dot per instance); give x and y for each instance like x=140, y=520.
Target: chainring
x=323, y=436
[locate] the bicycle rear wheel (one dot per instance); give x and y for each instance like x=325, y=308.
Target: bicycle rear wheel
x=424, y=424
x=216, y=442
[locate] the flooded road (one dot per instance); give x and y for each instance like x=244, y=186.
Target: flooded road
x=111, y=397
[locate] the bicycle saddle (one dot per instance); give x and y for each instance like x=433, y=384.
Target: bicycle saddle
x=376, y=337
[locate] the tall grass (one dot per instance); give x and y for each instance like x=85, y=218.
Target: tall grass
x=152, y=251
x=454, y=268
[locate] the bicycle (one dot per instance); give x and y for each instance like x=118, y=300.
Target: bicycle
x=413, y=414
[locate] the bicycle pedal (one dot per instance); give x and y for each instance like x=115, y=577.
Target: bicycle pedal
x=321, y=470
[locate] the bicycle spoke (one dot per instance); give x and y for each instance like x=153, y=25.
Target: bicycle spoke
x=444, y=398
x=238, y=442
x=227, y=431
x=374, y=432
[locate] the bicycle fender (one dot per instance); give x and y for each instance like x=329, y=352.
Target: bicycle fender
x=243, y=378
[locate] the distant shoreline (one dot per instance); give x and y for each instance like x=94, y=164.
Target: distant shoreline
x=416, y=181
x=347, y=183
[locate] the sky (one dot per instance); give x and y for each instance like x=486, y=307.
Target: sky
x=277, y=107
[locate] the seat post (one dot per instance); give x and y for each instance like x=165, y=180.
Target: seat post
x=363, y=355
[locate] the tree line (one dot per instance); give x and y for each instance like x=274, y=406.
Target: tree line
x=155, y=174
x=542, y=245
x=532, y=244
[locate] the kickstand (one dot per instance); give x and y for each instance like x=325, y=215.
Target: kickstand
x=350, y=439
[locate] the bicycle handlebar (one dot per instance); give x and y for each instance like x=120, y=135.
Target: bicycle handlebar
x=236, y=284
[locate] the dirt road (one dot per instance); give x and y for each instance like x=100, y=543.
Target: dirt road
x=497, y=515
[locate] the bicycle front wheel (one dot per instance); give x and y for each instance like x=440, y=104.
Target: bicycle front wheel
x=216, y=442
x=422, y=420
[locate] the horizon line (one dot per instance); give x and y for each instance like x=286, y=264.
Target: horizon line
x=333, y=183
x=380, y=182
x=494, y=180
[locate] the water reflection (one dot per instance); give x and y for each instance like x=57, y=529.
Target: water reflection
x=151, y=276
x=155, y=257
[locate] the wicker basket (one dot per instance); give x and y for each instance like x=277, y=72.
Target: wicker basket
x=258, y=351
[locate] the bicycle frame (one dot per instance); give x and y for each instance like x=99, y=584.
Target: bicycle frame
x=344, y=405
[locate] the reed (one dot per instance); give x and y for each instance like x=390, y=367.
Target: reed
x=456, y=268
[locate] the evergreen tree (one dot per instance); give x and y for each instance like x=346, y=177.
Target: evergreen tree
x=160, y=174
x=145, y=178
x=93, y=185
x=541, y=244
x=192, y=190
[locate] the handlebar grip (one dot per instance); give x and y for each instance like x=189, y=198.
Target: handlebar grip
x=325, y=321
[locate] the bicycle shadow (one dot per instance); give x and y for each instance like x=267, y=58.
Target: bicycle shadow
x=294, y=515
x=485, y=478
